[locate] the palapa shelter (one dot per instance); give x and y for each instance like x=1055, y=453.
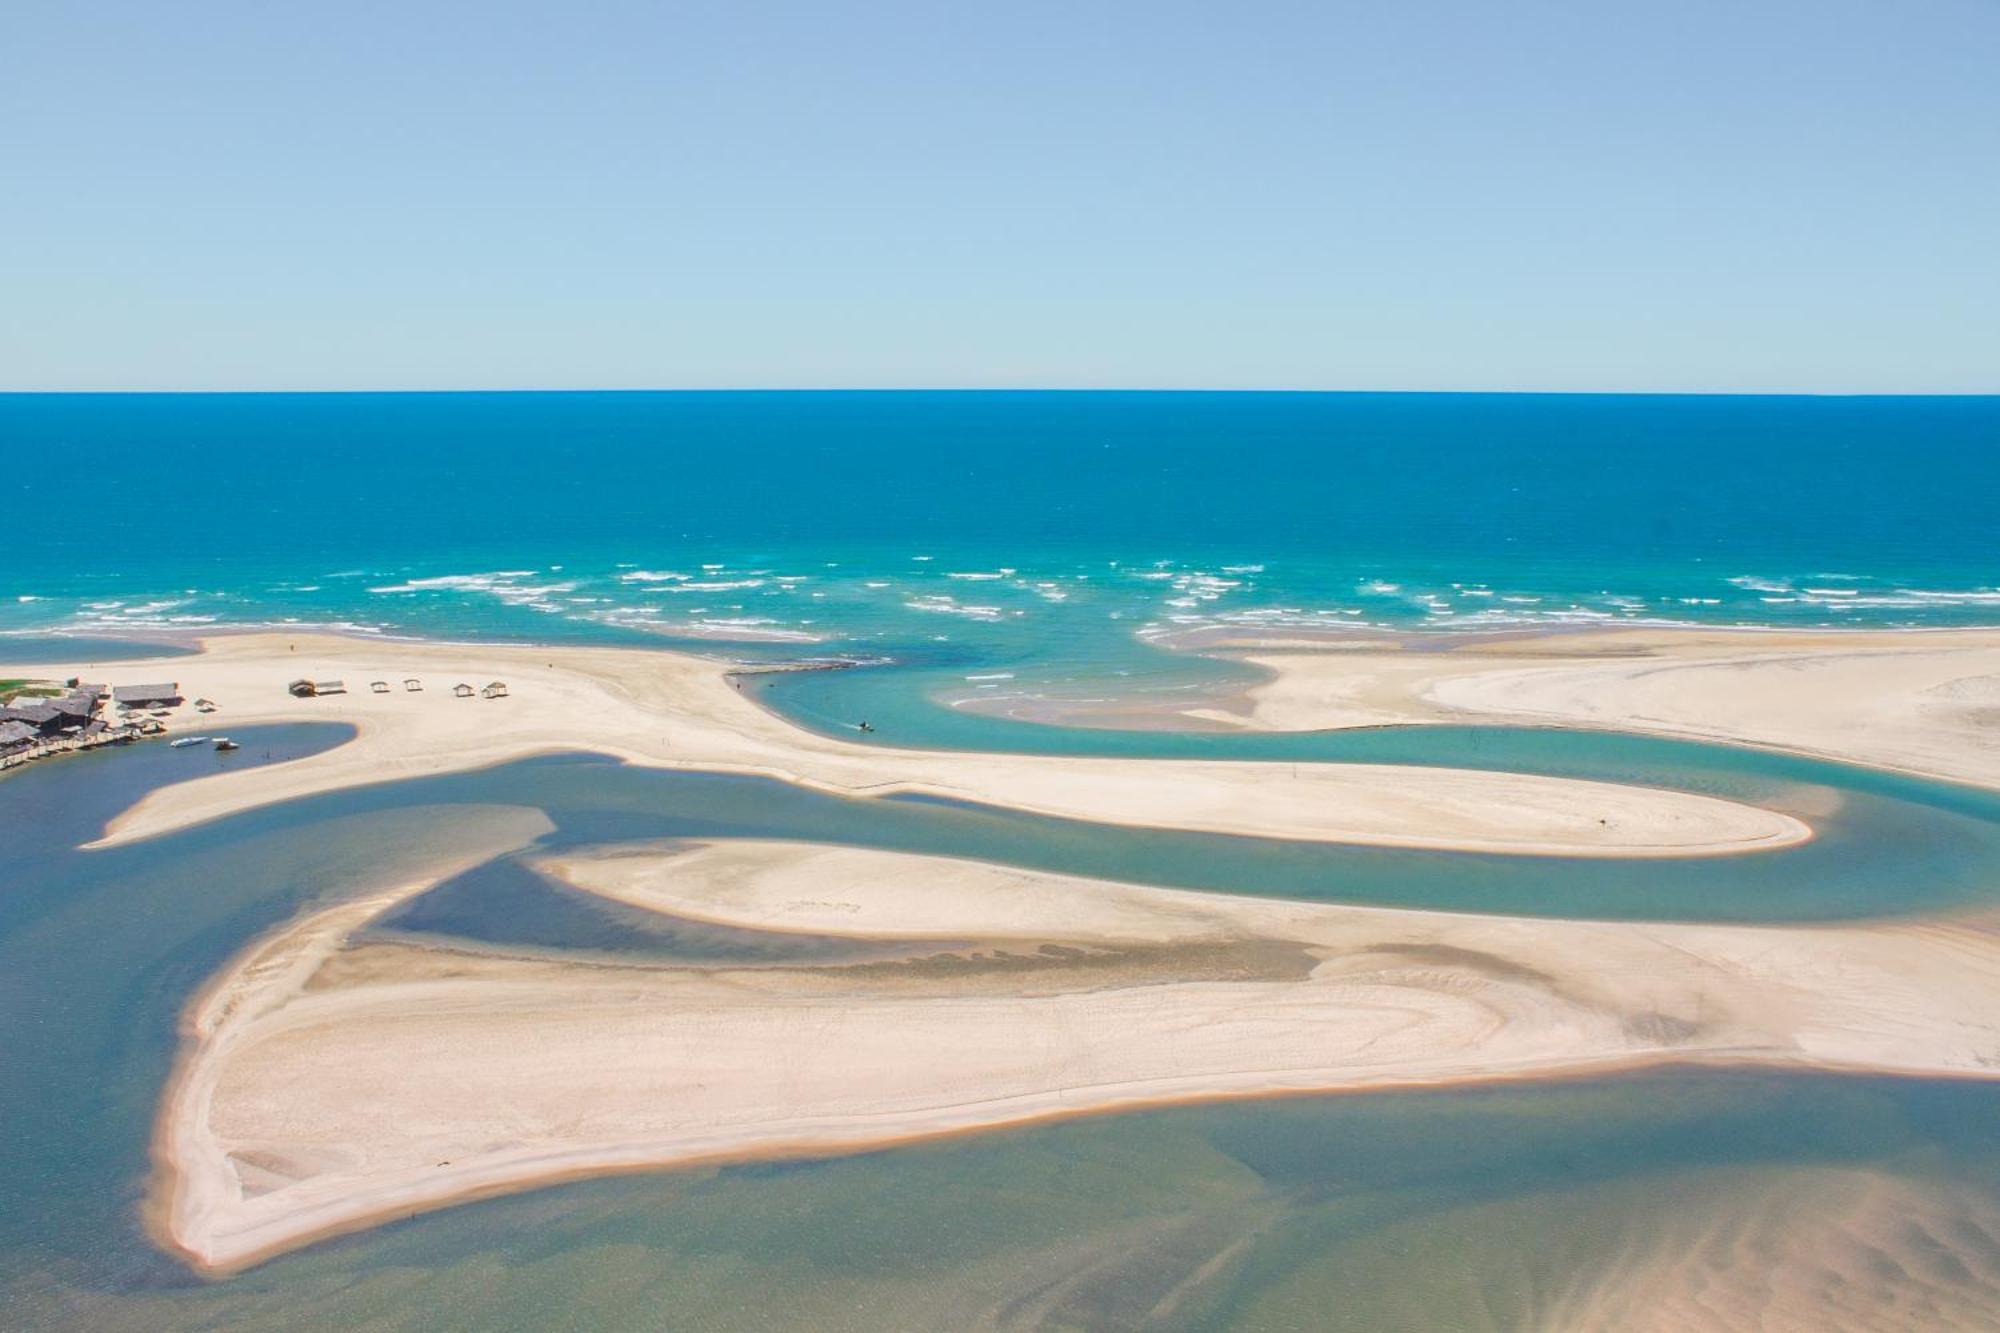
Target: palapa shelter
x=413, y=685
x=497, y=690
x=16, y=736
x=39, y=715
x=463, y=691
x=146, y=696
x=379, y=686
x=75, y=708
x=302, y=689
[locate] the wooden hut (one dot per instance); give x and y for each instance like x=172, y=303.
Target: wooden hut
x=497, y=690
x=147, y=696
x=39, y=714
x=303, y=689
x=329, y=687
x=379, y=686
x=463, y=691
x=413, y=685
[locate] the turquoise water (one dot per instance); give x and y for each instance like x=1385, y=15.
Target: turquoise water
x=990, y=524
x=999, y=548
x=1450, y=1209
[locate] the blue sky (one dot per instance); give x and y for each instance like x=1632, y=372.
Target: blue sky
x=1537, y=196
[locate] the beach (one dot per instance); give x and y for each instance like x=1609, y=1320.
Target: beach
x=332, y=1077
x=673, y=710
x=330, y=1082
x=1923, y=702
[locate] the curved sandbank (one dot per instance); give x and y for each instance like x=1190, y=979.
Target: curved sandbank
x=1918, y=701
x=329, y=1083
x=673, y=710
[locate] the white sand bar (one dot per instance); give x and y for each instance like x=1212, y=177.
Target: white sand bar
x=328, y=1084
x=1921, y=701
x=673, y=710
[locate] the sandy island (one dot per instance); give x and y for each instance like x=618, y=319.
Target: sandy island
x=1919, y=701
x=673, y=710
x=330, y=1082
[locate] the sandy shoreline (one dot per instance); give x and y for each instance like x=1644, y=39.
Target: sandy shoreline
x=329, y=1084
x=1924, y=702
x=671, y=710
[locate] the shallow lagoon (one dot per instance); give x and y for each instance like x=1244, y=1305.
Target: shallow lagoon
x=1469, y=1208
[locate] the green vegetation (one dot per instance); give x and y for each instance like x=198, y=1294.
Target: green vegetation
x=31, y=689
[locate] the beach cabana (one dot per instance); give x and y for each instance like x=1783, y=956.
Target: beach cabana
x=413, y=685
x=379, y=686
x=463, y=691
x=302, y=689
x=496, y=690
x=16, y=736
x=147, y=696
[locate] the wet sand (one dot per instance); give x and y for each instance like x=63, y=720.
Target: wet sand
x=330, y=1083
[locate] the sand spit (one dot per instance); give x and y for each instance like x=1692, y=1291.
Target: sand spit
x=1919, y=701
x=331, y=1083
x=672, y=710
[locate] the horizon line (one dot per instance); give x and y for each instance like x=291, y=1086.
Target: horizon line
x=1023, y=390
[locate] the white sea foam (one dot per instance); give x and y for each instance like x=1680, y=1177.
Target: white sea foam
x=943, y=605
x=456, y=582
x=1971, y=596
x=650, y=576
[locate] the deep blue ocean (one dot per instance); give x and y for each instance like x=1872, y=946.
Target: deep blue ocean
x=885, y=521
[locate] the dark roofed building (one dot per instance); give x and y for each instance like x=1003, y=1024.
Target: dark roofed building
x=40, y=714
x=86, y=688
x=147, y=696
x=75, y=708
x=16, y=736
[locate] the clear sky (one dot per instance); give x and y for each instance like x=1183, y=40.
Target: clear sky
x=1453, y=195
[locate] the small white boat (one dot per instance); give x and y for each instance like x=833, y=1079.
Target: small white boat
x=224, y=743
x=186, y=741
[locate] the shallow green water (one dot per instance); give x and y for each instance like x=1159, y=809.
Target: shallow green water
x=1448, y=1209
